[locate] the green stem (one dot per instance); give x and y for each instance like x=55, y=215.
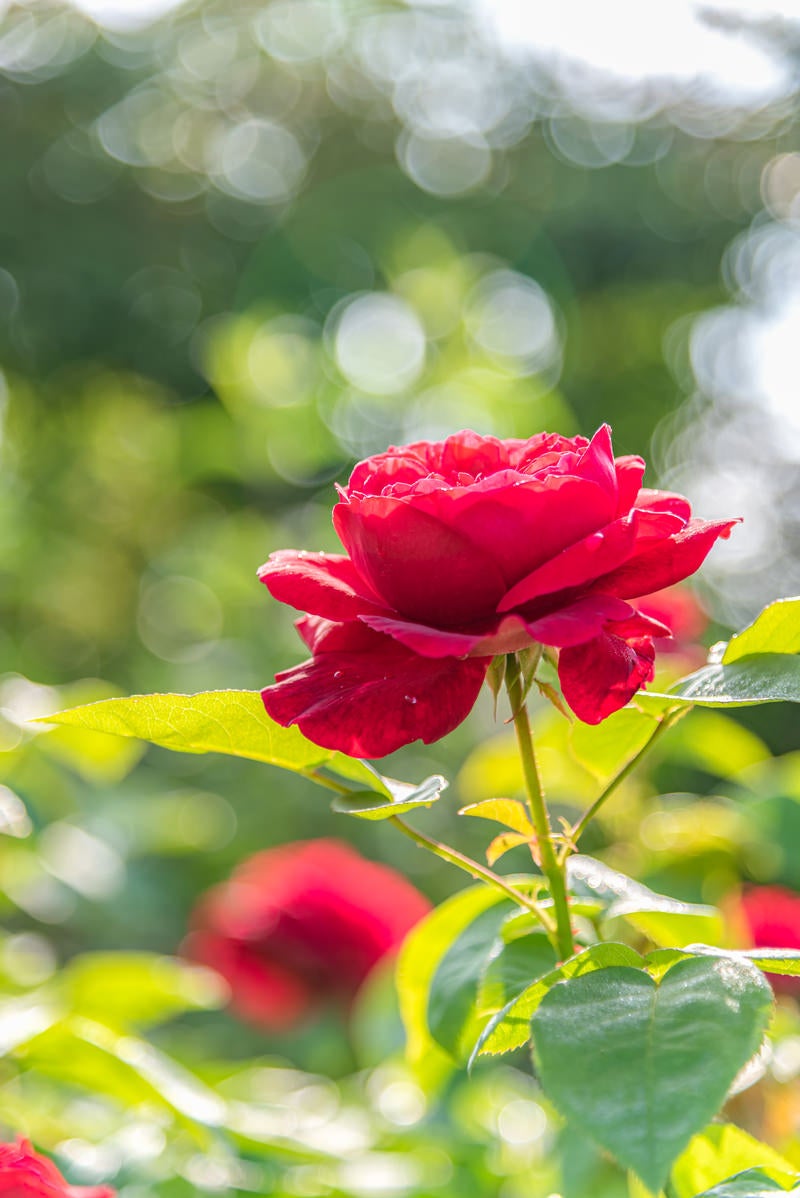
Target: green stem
x=476, y=870
x=552, y=868
x=666, y=721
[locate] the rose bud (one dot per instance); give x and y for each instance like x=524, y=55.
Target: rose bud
x=461, y=549
x=300, y=925
x=26, y=1174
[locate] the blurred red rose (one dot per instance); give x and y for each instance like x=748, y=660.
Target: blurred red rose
x=461, y=549
x=679, y=609
x=770, y=918
x=299, y=925
x=26, y=1174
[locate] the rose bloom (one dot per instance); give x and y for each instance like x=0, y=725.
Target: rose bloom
x=461, y=549
x=299, y=925
x=26, y=1174
x=769, y=917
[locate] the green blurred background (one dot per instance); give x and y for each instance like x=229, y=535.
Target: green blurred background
x=247, y=243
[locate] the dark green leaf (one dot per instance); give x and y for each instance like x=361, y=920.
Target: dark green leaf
x=453, y=995
x=642, y=1066
x=510, y=1028
x=421, y=953
x=517, y=965
x=760, y=678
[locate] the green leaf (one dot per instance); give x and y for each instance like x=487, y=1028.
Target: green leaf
x=641, y=1066
x=510, y=1028
x=503, y=843
x=495, y=677
x=421, y=953
x=775, y=630
x=510, y=812
x=720, y=1152
x=664, y=920
x=785, y=961
x=452, y=999
x=136, y=989
x=90, y=1055
x=233, y=722
x=753, y=1183
x=604, y=748
x=760, y=678
x=514, y=968
x=368, y=805
x=716, y=743
x=669, y=923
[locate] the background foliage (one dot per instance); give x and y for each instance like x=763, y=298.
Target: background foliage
x=242, y=247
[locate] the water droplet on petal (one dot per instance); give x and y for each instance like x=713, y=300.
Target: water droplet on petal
x=410, y=699
x=337, y=673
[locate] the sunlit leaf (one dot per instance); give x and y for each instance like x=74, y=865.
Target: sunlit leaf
x=644, y=1083
x=604, y=748
x=136, y=989
x=720, y=1152
x=88, y=1054
x=753, y=1183
x=232, y=722
x=504, y=843
x=716, y=743
x=775, y=630
x=368, y=805
x=664, y=920
x=783, y=961
x=510, y=812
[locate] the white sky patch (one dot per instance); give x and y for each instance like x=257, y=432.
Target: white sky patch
x=125, y=14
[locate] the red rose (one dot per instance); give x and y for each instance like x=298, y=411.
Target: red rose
x=464, y=548
x=25, y=1174
x=301, y=924
x=677, y=608
x=771, y=919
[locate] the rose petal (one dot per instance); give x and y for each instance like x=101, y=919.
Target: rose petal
x=578, y=564
x=369, y=701
x=639, y=624
x=630, y=471
x=505, y=635
x=600, y=676
x=422, y=568
x=581, y=621
x=521, y=525
x=664, y=501
x=666, y=561
x=323, y=584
